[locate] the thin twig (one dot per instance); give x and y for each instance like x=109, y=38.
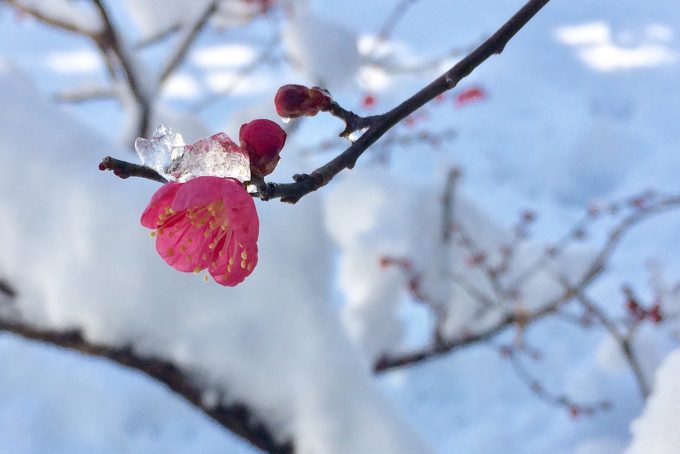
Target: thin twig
x=59, y=22
x=390, y=23
x=597, y=266
x=186, y=41
x=124, y=169
x=379, y=125
x=241, y=74
x=86, y=93
x=7, y=289
x=560, y=400
x=623, y=341
x=109, y=41
x=158, y=36
x=304, y=184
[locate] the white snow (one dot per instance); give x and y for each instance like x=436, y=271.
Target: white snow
x=74, y=62
x=324, y=51
x=656, y=430
x=372, y=215
x=582, y=106
x=598, y=49
x=277, y=325
x=156, y=16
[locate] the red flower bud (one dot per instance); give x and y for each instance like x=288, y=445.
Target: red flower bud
x=263, y=141
x=654, y=314
x=293, y=101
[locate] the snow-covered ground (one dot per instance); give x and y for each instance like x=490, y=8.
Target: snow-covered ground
x=581, y=107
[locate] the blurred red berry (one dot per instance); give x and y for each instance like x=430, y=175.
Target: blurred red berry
x=470, y=95
x=368, y=101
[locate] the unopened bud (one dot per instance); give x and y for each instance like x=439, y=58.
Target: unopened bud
x=293, y=101
x=263, y=141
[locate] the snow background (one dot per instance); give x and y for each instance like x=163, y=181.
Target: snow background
x=582, y=106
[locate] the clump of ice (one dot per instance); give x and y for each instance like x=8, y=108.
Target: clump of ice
x=168, y=155
x=159, y=152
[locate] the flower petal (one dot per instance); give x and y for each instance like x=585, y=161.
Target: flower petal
x=207, y=222
x=204, y=190
x=161, y=200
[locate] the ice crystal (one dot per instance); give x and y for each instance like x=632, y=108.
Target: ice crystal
x=216, y=156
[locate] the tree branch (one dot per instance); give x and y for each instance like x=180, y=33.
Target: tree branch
x=57, y=19
x=235, y=417
x=109, y=42
x=379, y=125
x=304, y=184
x=190, y=35
x=86, y=93
x=597, y=266
x=623, y=341
x=124, y=169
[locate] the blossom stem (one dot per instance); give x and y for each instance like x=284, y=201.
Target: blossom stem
x=124, y=169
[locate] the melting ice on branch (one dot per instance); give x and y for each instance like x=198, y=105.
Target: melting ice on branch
x=216, y=155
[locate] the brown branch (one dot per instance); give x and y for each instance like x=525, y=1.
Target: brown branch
x=158, y=36
x=264, y=55
x=623, y=341
x=86, y=93
x=57, y=22
x=353, y=122
x=393, y=19
x=379, y=125
x=236, y=417
x=392, y=66
x=110, y=43
x=124, y=169
x=393, y=361
x=186, y=41
x=597, y=266
x=7, y=289
x=304, y=184
x=560, y=400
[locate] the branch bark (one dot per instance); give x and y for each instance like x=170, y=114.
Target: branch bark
x=576, y=290
x=235, y=417
x=380, y=124
x=304, y=184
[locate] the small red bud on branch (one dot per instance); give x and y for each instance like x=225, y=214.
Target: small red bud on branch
x=293, y=101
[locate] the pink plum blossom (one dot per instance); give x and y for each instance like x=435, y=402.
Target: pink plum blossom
x=208, y=223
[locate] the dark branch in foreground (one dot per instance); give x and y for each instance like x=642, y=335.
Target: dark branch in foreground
x=233, y=416
x=7, y=289
x=379, y=125
x=304, y=184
